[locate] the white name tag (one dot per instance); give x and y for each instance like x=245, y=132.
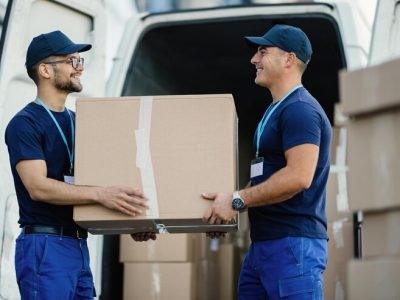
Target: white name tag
x=69, y=179
x=256, y=168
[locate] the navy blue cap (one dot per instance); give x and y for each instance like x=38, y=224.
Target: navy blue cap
x=51, y=44
x=287, y=38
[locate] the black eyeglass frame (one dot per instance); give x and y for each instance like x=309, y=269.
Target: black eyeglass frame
x=74, y=61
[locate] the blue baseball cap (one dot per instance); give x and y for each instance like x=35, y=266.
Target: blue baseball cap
x=49, y=44
x=287, y=38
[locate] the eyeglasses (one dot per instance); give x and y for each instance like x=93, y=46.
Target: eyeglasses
x=74, y=61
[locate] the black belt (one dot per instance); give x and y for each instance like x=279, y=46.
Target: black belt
x=75, y=233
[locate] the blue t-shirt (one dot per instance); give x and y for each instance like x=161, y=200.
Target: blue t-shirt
x=33, y=135
x=298, y=120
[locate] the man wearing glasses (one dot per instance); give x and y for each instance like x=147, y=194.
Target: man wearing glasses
x=51, y=257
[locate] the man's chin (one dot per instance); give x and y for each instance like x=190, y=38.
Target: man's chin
x=259, y=82
x=76, y=89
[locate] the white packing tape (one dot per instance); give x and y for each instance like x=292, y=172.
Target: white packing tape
x=342, y=201
x=338, y=234
x=155, y=281
x=143, y=155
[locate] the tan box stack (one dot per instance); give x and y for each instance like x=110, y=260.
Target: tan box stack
x=340, y=225
x=371, y=98
x=178, y=266
x=172, y=147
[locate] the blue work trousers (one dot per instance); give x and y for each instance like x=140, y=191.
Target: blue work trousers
x=290, y=268
x=53, y=267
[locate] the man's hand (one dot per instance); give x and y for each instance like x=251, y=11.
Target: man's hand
x=144, y=236
x=215, y=234
x=221, y=211
x=127, y=200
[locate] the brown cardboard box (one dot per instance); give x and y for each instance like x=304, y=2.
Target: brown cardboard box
x=340, y=251
x=166, y=248
x=218, y=274
x=207, y=280
x=172, y=147
x=227, y=282
x=373, y=159
x=337, y=203
x=159, y=281
x=380, y=233
x=375, y=278
x=370, y=89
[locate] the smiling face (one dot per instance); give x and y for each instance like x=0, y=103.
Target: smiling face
x=66, y=77
x=269, y=63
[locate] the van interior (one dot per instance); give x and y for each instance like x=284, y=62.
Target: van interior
x=211, y=57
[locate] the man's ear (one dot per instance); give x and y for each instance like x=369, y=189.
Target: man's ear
x=43, y=71
x=290, y=59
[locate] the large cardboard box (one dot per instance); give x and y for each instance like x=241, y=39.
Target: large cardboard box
x=340, y=252
x=159, y=281
x=380, y=233
x=166, y=248
x=370, y=89
x=375, y=278
x=172, y=147
x=373, y=159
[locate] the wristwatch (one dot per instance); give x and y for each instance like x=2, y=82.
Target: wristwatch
x=237, y=202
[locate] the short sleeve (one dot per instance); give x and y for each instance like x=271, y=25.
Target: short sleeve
x=23, y=140
x=301, y=124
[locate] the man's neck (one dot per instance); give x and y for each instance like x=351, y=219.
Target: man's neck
x=54, y=101
x=280, y=90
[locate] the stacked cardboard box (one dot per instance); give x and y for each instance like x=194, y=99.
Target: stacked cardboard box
x=340, y=225
x=340, y=252
x=178, y=266
x=371, y=98
x=161, y=269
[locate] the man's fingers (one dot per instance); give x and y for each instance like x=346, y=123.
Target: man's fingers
x=139, y=201
x=213, y=219
x=128, y=209
x=143, y=236
x=137, y=193
x=215, y=234
x=134, y=200
x=207, y=215
x=209, y=196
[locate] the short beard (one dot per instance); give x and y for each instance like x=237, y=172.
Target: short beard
x=67, y=86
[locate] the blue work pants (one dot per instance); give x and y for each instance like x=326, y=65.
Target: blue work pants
x=290, y=268
x=53, y=267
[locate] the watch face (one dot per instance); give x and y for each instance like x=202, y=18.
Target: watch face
x=237, y=203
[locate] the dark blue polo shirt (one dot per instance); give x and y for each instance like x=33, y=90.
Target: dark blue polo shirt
x=32, y=135
x=299, y=119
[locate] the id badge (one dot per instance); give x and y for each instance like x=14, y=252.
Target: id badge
x=69, y=179
x=256, y=168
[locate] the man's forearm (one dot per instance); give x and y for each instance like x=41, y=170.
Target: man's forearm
x=60, y=193
x=280, y=187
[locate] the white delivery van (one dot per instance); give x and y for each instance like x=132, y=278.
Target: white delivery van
x=186, y=52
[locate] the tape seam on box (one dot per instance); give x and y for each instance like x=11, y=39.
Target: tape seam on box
x=143, y=155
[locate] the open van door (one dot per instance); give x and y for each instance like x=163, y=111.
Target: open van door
x=83, y=21
x=385, y=42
